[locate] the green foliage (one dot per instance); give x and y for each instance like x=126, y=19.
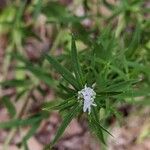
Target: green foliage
x=75, y=62
x=67, y=119
x=9, y=105
x=18, y=122
x=63, y=71
x=109, y=51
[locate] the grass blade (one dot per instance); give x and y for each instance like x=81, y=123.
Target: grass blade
x=39, y=73
x=98, y=132
x=63, y=71
x=75, y=61
x=15, y=83
x=19, y=122
x=95, y=114
x=121, y=86
x=9, y=105
x=66, y=121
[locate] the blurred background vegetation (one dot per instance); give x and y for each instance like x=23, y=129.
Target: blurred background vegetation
x=115, y=33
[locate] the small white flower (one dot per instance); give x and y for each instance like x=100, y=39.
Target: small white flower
x=88, y=95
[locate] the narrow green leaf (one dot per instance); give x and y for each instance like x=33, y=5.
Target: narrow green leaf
x=75, y=62
x=119, y=71
x=15, y=83
x=135, y=40
x=66, y=121
x=139, y=67
x=39, y=73
x=98, y=125
x=63, y=71
x=134, y=93
x=9, y=105
x=19, y=57
x=95, y=126
x=31, y=132
x=67, y=89
x=49, y=105
x=19, y=122
x=68, y=105
x=95, y=114
x=60, y=106
x=98, y=132
x=120, y=86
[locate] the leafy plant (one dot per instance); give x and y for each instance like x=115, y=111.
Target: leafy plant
x=107, y=54
x=107, y=92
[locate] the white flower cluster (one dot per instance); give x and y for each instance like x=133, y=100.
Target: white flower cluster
x=88, y=95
